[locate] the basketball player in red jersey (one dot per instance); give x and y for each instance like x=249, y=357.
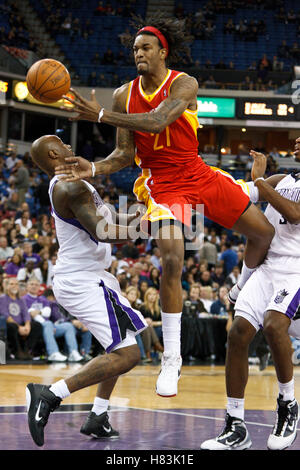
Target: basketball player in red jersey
x=156, y=120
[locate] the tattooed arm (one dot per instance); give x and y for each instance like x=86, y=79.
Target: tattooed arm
x=183, y=95
x=74, y=200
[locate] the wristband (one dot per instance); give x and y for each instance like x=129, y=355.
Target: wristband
x=93, y=169
x=260, y=178
x=100, y=114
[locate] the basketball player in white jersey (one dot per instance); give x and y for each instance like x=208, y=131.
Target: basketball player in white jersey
x=83, y=287
x=270, y=300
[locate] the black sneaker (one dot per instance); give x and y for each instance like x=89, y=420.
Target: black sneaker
x=40, y=402
x=99, y=427
x=234, y=436
x=285, y=430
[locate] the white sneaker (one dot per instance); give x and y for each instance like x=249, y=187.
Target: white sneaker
x=285, y=430
x=57, y=357
x=167, y=382
x=75, y=356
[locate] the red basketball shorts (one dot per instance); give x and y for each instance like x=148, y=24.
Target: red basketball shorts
x=174, y=193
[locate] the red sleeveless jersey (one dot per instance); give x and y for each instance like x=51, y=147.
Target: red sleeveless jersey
x=177, y=145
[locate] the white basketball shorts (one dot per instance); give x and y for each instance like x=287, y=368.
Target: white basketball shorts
x=96, y=300
x=270, y=289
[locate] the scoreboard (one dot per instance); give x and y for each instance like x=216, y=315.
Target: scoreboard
x=270, y=109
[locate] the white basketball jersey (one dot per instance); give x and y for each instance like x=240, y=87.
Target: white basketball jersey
x=286, y=241
x=78, y=250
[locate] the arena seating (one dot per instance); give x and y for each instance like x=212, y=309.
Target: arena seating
x=227, y=47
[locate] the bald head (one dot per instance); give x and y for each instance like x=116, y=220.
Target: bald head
x=48, y=152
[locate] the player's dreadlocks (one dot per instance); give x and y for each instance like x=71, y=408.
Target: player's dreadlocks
x=170, y=27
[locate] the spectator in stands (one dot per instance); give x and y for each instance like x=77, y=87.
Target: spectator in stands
x=29, y=271
x=22, y=180
x=5, y=250
x=25, y=223
x=194, y=298
x=283, y=50
x=83, y=336
x=291, y=16
x=96, y=60
x=124, y=36
x=233, y=277
x=143, y=287
x=67, y=24
x=229, y=258
x=13, y=202
x=23, y=334
x=247, y=84
x=221, y=65
x=218, y=275
x=229, y=27
x=41, y=194
x=206, y=297
x=209, y=253
x=210, y=82
x=108, y=57
x=205, y=278
x=209, y=30
x=274, y=153
x=277, y=65
x=154, y=278
x=29, y=255
x=222, y=305
x=151, y=310
x=155, y=258
x=100, y=10
x=44, y=267
x=241, y=29
x=149, y=336
x=14, y=265
x=54, y=325
x=11, y=161
x=264, y=63
x=295, y=51
x=253, y=66
x=92, y=79
x=129, y=250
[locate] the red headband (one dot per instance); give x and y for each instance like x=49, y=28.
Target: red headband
x=158, y=34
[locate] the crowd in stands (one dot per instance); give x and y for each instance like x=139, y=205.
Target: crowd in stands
x=199, y=24
x=37, y=326
x=14, y=31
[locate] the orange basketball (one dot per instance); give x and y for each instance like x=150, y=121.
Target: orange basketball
x=47, y=80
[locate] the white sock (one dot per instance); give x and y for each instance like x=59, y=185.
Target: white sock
x=245, y=274
x=287, y=390
x=171, y=328
x=60, y=389
x=235, y=407
x=100, y=405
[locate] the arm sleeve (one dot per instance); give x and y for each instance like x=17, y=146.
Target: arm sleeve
x=253, y=191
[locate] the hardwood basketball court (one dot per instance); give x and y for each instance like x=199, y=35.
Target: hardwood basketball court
x=144, y=420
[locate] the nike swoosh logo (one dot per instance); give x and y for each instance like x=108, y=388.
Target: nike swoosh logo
x=37, y=414
x=107, y=429
x=230, y=443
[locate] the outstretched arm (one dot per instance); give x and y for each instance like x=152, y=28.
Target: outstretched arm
x=183, y=92
x=77, y=168
x=289, y=209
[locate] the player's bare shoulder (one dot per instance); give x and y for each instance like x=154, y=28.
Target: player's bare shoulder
x=120, y=97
